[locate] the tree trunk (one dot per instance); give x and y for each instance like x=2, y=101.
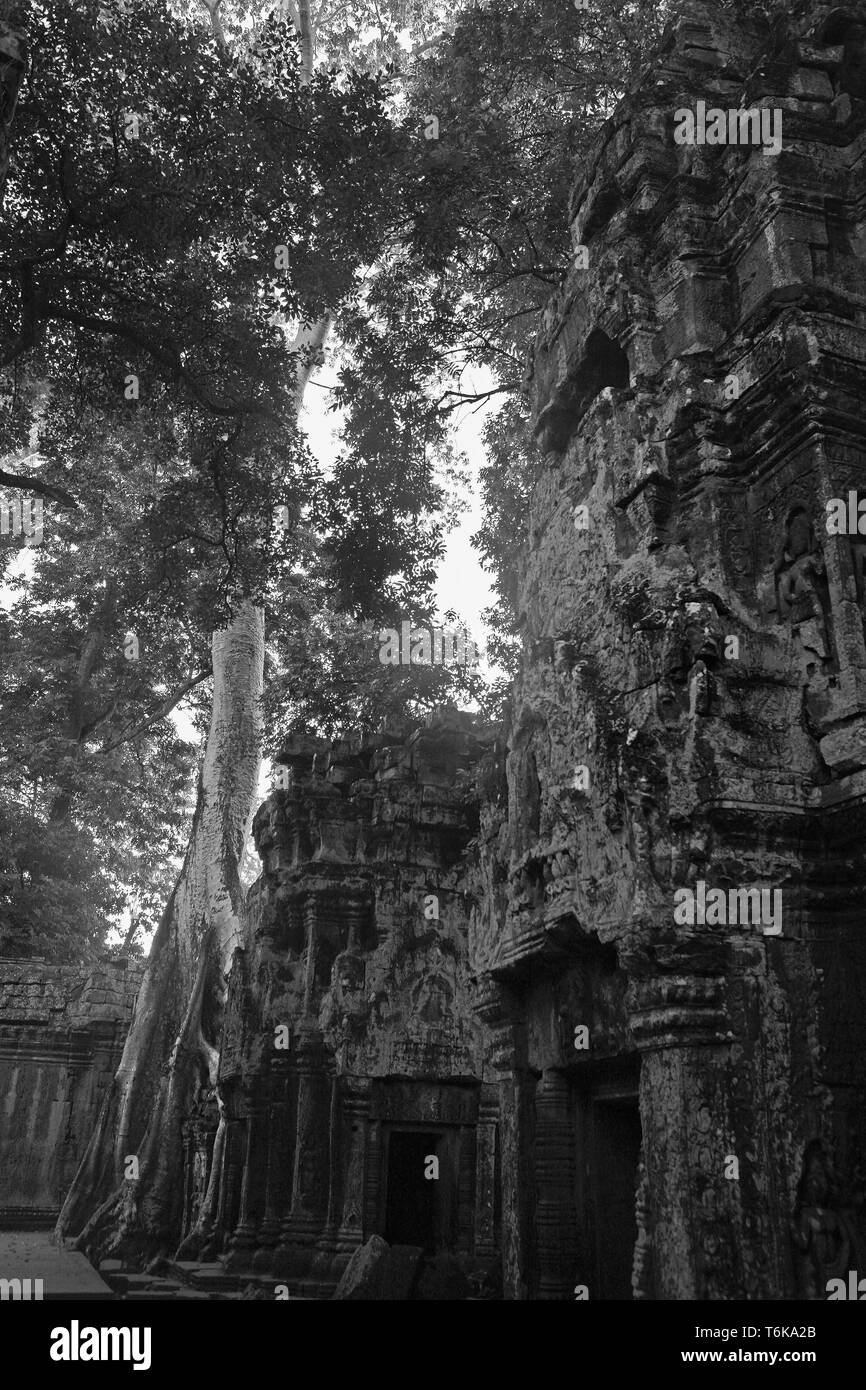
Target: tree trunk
x=171, y=1050
x=77, y=721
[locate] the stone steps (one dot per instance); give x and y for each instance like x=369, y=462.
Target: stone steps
x=187, y=1281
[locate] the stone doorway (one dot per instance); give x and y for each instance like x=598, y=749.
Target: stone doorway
x=416, y=1207
x=609, y=1140
x=454, y=1122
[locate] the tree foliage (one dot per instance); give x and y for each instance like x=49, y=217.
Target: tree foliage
x=181, y=201
x=175, y=211
x=499, y=112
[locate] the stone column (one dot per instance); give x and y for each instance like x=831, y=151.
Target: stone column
x=323, y=1265
x=507, y=1051
x=277, y=1189
x=485, y=1174
x=306, y=1218
x=311, y=935
x=374, y=1218
x=243, y=1240
x=233, y=1166
x=715, y=1224
x=555, y=1214
x=356, y=1124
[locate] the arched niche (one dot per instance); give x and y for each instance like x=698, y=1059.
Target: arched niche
x=602, y=363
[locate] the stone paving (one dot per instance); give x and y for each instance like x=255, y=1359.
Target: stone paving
x=64, y=1274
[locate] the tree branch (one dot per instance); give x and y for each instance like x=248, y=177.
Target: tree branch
x=308, y=344
x=164, y=709
x=216, y=24
x=134, y=924
x=168, y=358
x=431, y=43
x=28, y=483
x=463, y=396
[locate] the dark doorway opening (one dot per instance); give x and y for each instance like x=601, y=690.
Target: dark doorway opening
x=616, y=1146
x=411, y=1203
x=608, y=1152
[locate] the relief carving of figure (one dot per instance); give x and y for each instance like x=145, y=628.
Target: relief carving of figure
x=823, y=1232
x=799, y=569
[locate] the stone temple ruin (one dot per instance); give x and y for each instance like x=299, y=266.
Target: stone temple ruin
x=62, y=1029
x=359, y=948
x=463, y=944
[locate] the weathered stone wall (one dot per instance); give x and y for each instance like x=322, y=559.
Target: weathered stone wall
x=62, y=1030
x=475, y=935
x=653, y=1102
x=692, y=704
x=349, y=1019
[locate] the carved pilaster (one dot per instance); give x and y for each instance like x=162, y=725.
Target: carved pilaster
x=233, y=1170
x=356, y=1124
x=277, y=1188
x=485, y=1174
x=710, y=1186
x=323, y=1268
x=243, y=1240
x=310, y=1177
x=310, y=908
x=498, y=1011
x=555, y=1217
x=374, y=1217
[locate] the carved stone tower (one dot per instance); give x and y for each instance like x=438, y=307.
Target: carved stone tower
x=692, y=709
x=351, y=1066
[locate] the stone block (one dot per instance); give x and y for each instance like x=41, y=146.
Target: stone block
x=827, y=57
x=813, y=84
x=362, y=1277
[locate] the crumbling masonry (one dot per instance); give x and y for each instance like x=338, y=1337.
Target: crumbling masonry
x=463, y=946
x=620, y=1105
